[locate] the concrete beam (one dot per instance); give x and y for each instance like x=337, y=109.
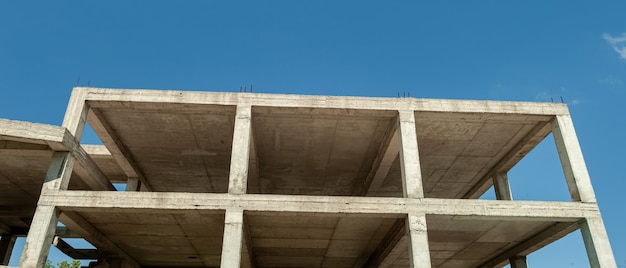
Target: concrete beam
x=233, y=237
x=512, y=157
x=89, y=172
x=64, y=232
x=409, y=156
x=238, y=178
x=597, y=243
x=387, y=153
x=572, y=160
x=33, y=133
x=166, y=202
x=6, y=248
x=81, y=226
x=77, y=254
x=150, y=99
x=120, y=153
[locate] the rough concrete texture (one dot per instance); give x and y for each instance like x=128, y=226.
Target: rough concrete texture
x=266, y=180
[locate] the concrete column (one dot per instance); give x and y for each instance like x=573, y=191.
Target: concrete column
x=43, y=226
x=238, y=178
x=502, y=187
x=518, y=262
x=419, y=254
x=572, y=160
x=133, y=185
x=6, y=248
x=409, y=155
x=76, y=113
x=39, y=237
x=597, y=243
x=233, y=238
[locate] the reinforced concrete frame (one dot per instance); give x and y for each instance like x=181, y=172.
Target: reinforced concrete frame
x=244, y=197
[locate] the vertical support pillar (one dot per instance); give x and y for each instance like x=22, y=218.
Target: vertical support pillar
x=597, y=243
x=502, y=187
x=44, y=222
x=419, y=254
x=6, y=248
x=409, y=156
x=76, y=113
x=593, y=231
x=233, y=238
x=518, y=262
x=572, y=160
x=40, y=237
x=238, y=178
x=133, y=184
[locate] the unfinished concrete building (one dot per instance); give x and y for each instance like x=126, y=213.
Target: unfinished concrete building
x=264, y=180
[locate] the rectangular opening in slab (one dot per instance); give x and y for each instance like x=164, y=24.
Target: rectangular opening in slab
x=539, y=175
x=309, y=151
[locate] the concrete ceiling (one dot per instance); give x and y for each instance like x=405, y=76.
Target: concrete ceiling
x=300, y=151
x=309, y=151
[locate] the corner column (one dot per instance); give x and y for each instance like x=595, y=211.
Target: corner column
x=44, y=222
x=593, y=231
x=597, y=243
x=572, y=160
x=419, y=253
x=237, y=184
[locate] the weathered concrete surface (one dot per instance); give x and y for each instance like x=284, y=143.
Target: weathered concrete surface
x=260, y=180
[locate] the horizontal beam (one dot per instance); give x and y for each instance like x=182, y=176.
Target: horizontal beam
x=126, y=98
x=77, y=254
x=116, y=148
x=54, y=136
x=167, y=202
x=89, y=171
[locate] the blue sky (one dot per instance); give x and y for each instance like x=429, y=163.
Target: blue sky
x=500, y=50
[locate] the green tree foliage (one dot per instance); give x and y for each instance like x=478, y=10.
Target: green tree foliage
x=63, y=264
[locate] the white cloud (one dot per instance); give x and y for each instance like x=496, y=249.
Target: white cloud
x=618, y=43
